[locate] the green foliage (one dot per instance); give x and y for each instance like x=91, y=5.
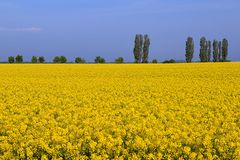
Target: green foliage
x=141, y=48
x=138, y=48
x=34, y=59
x=219, y=51
x=56, y=59
x=169, y=61
x=119, y=60
x=60, y=59
x=146, y=49
x=19, y=58
x=209, y=50
x=224, y=50
x=79, y=60
x=189, y=49
x=11, y=59
x=203, y=50
x=41, y=59
x=215, y=51
x=63, y=59
x=99, y=59
x=154, y=61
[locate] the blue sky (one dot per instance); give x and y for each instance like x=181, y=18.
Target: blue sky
x=88, y=28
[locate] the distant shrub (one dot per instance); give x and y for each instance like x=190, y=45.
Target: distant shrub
x=169, y=61
x=63, y=59
x=99, y=59
x=60, y=59
x=154, y=61
x=34, y=59
x=19, y=58
x=41, y=59
x=11, y=59
x=119, y=60
x=79, y=60
x=56, y=59
x=226, y=60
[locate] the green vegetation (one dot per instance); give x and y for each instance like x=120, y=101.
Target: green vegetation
x=169, y=61
x=61, y=59
x=34, y=59
x=11, y=59
x=119, y=60
x=189, y=49
x=19, y=59
x=154, y=61
x=99, y=59
x=79, y=60
x=141, y=48
x=216, y=51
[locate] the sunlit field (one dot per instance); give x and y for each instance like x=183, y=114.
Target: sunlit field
x=129, y=111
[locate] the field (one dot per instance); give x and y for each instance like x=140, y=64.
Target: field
x=130, y=111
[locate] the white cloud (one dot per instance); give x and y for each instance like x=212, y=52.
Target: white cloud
x=24, y=29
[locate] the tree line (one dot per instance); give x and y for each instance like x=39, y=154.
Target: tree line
x=59, y=59
x=216, y=51
x=209, y=52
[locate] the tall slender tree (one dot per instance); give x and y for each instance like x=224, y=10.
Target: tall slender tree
x=145, y=49
x=138, y=48
x=209, y=50
x=224, y=49
x=189, y=49
x=219, y=51
x=203, y=50
x=141, y=41
x=215, y=51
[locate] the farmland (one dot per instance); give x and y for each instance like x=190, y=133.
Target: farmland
x=129, y=111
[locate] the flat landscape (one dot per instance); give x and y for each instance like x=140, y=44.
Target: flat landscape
x=127, y=111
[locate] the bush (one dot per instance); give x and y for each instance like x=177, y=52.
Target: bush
x=19, y=58
x=154, y=61
x=41, y=59
x=60, y=59
x=56, y=59
x=119, y=60
x=63, y=59
x=34, y=59
x=226, y=60
x=11, y=59
x=169, y=61
x=99, y=59
x=79, y=60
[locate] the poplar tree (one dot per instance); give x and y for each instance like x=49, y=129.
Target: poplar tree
x=138, y=48
x=219, y=51
x=203, y=50
x=224, y=49
x=189, y=49
x=145, y=49
x=215, y=51
x=209, y=50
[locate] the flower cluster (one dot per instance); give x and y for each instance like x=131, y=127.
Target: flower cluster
x=172, y=111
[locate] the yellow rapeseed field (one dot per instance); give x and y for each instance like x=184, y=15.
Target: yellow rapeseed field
x=129, y=111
